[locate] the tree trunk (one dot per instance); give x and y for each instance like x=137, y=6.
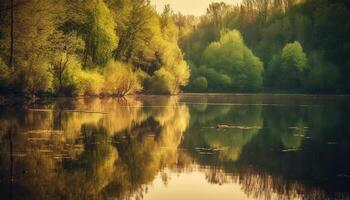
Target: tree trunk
x=12, y=37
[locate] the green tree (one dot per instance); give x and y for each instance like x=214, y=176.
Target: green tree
x=288, y=70
x=98, y=33
x=229, y=56
x=321, y=76
x=200, y=84
x=134, y=21
x=66, y=47
x=32, y=44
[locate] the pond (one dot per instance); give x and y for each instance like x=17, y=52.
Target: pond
x=180, y=147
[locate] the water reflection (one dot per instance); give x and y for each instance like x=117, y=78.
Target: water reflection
x=132, y=148
x=275, y=151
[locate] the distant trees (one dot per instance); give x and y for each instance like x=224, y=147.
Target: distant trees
x=321, y=76
x=216, y=11
x=200, y=84
x=268, y=26
x=228, y=65
x=288, y=69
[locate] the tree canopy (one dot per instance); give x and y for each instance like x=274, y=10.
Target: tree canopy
x=98, y=47
x=294, y=39
x=52, y=47
x=235, y=64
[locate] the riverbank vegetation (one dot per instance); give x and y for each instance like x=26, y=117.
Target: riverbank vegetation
x=303, y=46
x=89, y=47
x=121, y=47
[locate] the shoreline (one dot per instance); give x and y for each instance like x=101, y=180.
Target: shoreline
x=21, y=100
x=262, y=94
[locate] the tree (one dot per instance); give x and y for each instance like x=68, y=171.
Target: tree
x=168, y=80
x=134, y=28
x=229, y=56
x=98, y=33
x=287, y=70
x=12, y=37
x=66, y=47
x=32, y=44
x=321, y=76
x=217, y=11
x=168, y=26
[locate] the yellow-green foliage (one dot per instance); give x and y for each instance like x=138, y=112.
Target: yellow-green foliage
x=59, y=71
x=167, y=80
x=66, y=47
x=119, y=79
x=76, y=81
x=99, y=32
x=287, y=70
x=33, y=30
x=174, y=71
x=167, y=25
x=162, y=82
x=152, y=46
x=230, y=57
x=35, y=77
x=89, y=82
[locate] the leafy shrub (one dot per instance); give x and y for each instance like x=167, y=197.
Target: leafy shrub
x=162, y=82
x=200, y=84
x=120, y=80
x=88, y=82
x=35, y=78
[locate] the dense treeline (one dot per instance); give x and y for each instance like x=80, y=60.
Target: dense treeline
x=88, y=47
x=120, y=47
x=302, y=45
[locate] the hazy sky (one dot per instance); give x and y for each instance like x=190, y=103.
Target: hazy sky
x=194, y=7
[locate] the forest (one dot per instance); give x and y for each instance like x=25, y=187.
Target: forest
x=89, y=47
x=270, y=45
x=121, y=47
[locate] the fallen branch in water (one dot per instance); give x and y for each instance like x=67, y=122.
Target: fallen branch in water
x=223, y=126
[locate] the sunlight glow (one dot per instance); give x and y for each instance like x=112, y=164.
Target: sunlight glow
x=196, y=7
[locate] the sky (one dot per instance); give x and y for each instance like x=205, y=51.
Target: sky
x=188, y=7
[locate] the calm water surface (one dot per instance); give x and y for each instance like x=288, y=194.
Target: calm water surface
x=152, y=147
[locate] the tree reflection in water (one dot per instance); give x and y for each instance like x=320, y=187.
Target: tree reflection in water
x=92, y=149
x=109, y=148
x=299, y=151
